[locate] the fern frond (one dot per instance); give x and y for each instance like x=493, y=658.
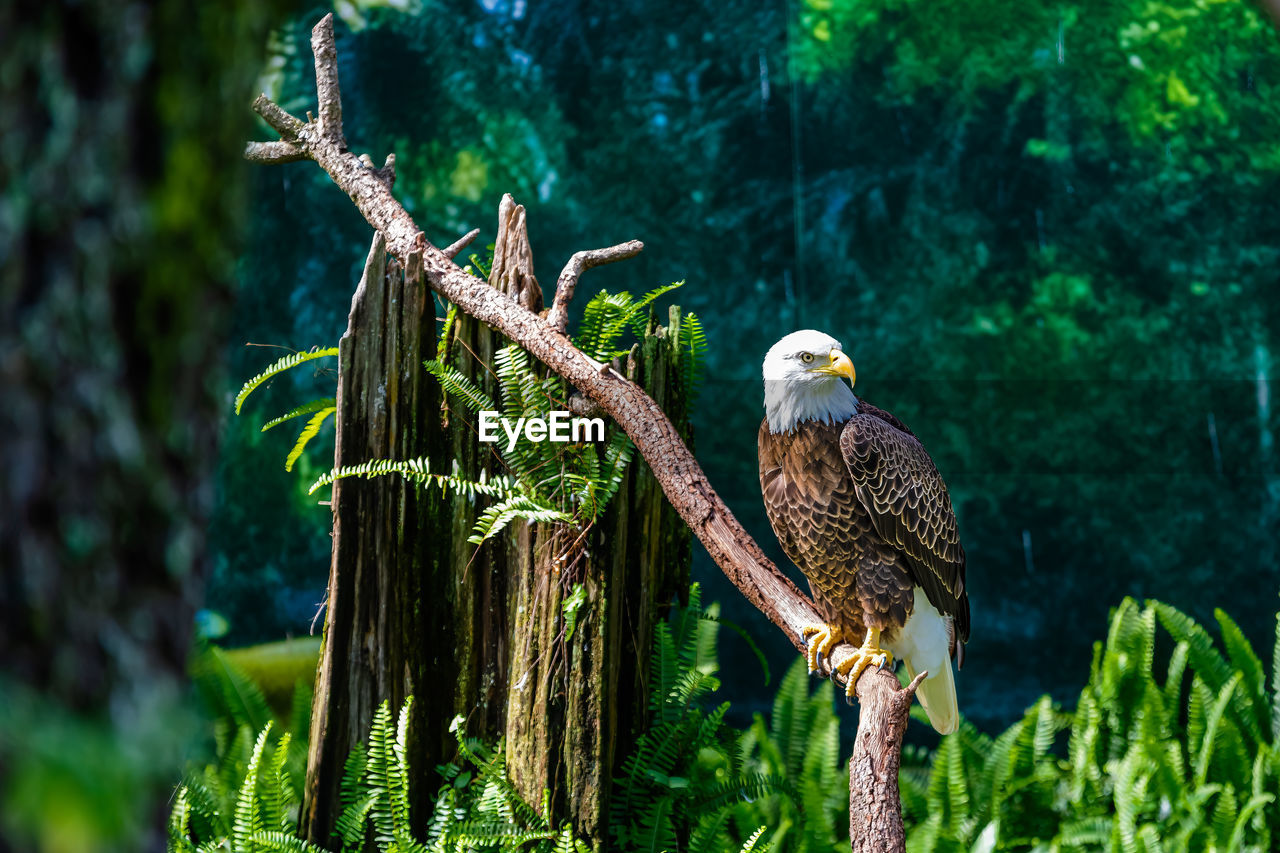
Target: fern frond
x=692, y=342
x=228, y=692
x=1208, y=662
x=400, y=776
x=655, y=832
x=617, y=456
x=274, y=841
x=1275, y=688
x=277, y=795
x=179, y=825
x=637, y=316
x=708, y=832
x=498, y=516
x=308, y=432
x=380, y=774
x=1244, y=660
x=248, y=815
x=206, y=815
x=1256, y=803
x=456, y=383
x=278, y=367
x=749, y=846
x=304, y=409
x=419, y=471
x=1213, y=720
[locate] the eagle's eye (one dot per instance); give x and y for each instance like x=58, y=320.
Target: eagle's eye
x=806, y=357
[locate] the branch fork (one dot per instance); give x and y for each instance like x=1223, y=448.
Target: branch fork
x=875, y=814
x=558, y=317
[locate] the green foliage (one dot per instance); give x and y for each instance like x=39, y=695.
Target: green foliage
x=1176, y=756
x=1170, y=747
x=1155, y=69
x=608, y=316
x=320, y=409
x=304, y=409
x=278, y=367
x=248, y=801
x=694, y=783
x=248, y=796
x=556, y=481
x=419, y=471
x=479, y=809
x=543, y=481
x=308, y=432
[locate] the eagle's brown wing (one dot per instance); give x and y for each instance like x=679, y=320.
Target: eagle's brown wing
x=900, y=488
x=810, y=501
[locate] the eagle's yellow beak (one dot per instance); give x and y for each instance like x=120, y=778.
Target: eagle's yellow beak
x=841, y=365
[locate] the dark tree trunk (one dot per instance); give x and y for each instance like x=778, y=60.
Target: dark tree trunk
x=122, y=183
x=381, y=634
x=414, y=609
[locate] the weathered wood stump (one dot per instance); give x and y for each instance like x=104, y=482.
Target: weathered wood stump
x=414, y=609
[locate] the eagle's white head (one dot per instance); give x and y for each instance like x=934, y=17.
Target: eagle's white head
x=802, y=381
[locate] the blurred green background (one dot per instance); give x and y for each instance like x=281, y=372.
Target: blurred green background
x=1046, y=235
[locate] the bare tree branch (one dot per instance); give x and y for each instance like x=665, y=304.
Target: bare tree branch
x=578, y=264
x=272, y=153
x=283, y=123
x=327, y=91
x=452, y=250
x=732, y=548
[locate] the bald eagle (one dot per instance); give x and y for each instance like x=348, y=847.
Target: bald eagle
x=858, y=505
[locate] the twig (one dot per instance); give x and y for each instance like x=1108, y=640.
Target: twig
x=328, y=94
x=387, y=174
x=658, y=441
x=272, y=153
x=558, y=317
x=451, y=251
x=283, y=123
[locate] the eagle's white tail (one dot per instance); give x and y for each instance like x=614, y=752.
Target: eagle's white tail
x=924, y=643
x=937, y=693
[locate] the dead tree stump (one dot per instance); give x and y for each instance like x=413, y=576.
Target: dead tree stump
x=414, y=609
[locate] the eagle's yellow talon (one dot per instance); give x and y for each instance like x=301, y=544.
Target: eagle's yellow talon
x=821, y=640
x=868, y=654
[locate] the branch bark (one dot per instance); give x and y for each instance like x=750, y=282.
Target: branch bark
x=451, y=251
x=272, y=153
x=558, y=318
x=876, y=810
x=875, y=806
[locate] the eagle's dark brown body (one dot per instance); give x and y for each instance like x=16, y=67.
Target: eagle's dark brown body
x=861, y=509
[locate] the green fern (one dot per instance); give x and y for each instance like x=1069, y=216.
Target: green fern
x=692, y=782
x=304, y=409
x=456, y=383
x=248, y=813
x=279, y=367
x=308, y=432
x=499, y=515
x=418, y=471
x=608, y=316
x=1148, y=765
